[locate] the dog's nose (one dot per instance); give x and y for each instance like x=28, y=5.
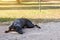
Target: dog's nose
x=20, y=32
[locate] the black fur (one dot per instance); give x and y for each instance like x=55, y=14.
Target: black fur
x=19, y=24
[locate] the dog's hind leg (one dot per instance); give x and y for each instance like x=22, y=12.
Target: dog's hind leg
x=37, y=26
x=30, y=24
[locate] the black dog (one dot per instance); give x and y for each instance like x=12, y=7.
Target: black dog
x=19, y=24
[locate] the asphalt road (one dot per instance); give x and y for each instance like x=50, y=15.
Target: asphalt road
x=48, y=31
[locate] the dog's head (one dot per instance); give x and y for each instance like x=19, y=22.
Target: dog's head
x=19, y=30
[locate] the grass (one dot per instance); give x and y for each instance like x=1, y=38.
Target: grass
x=50, y=14
x=42, y=3
x=27, y=3
x=37, y=3
x=6, y=19
x=9, y=15
x=22, y=3
x=30, y=3
x=19, y=13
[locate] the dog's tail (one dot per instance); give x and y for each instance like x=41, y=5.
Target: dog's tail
x=37, y=26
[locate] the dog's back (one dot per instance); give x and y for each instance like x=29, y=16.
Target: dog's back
x=23, y=22
x=19, y=22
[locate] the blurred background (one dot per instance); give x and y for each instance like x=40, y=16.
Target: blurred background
x=41, y=10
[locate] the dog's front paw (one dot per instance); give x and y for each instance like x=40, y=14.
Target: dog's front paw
x=6, y=31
